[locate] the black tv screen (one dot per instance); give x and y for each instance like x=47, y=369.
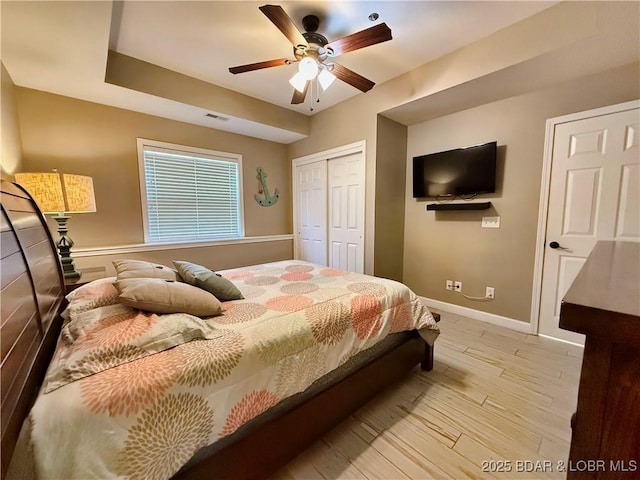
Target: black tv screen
x=463, y=171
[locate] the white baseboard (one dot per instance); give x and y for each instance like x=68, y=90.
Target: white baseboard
x=478, y=315
x=581, y=345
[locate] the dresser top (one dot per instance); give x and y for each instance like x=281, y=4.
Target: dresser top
x=606, y=291
x=610, y=279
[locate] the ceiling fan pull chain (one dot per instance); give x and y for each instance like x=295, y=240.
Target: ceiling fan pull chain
x=311, y=96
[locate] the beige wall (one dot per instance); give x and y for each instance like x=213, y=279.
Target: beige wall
x=391, y=151
x=100, y=141
x=11, y=154
x=219, y=257
x=442, y=246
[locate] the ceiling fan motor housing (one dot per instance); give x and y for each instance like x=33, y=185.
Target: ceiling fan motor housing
x=310, y=23
x=315, y=40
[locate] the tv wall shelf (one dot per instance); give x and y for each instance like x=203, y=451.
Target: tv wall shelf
x=459, y=206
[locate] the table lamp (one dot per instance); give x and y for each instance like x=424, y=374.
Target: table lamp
x=59, y=194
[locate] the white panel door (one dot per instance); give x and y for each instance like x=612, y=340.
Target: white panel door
x=594, y=195
x=312, y=212
x=346, y=213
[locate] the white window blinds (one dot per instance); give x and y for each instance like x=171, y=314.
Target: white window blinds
x=190, y=195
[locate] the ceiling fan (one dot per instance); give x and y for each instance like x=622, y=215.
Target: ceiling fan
x=315, y=53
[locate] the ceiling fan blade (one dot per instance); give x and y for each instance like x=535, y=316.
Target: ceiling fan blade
x=298, y=97
x=364, y=38
x=352, y=78
x=257, y=66
x=283, y=22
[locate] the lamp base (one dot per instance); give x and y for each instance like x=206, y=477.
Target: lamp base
x=71, y=274
x=64, y=247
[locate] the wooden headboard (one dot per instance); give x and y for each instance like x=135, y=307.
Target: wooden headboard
x=32, y=293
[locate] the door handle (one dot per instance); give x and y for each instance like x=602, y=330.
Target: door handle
x=556, y=246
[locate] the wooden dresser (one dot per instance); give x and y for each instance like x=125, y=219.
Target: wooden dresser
x=604, y=304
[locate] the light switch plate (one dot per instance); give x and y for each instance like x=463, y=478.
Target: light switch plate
x=490, y=222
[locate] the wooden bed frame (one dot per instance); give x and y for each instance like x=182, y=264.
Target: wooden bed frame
x=32, y=296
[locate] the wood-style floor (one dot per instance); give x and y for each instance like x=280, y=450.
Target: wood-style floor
x=497, y=405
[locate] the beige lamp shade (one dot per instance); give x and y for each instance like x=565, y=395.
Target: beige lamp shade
x=59, y=193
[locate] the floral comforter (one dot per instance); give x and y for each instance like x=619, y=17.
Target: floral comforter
x=134, y=395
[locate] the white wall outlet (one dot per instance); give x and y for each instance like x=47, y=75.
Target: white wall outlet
x=490, y=222
x=457, y=286
x=449, y=285
x=490, y=292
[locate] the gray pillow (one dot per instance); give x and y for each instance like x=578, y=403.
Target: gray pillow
x=208, y=280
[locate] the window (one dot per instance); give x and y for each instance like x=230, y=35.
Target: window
x=189, y=194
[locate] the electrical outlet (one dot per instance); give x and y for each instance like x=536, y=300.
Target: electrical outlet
x=449, y=285
x=457, y=286
x=490, y=222
x=490, y=293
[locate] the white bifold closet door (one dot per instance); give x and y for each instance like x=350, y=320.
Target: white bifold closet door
x=312, y=212
x=330, y=212
x=346, y=201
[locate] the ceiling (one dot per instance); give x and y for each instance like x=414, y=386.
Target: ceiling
x=61, y=47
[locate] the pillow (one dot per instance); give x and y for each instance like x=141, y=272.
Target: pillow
x=208, y=280
x=166, y=296
x=141, y=269
x=98, y=293
x=101, y=289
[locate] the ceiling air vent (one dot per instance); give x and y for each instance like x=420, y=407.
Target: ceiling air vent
x=217, y=117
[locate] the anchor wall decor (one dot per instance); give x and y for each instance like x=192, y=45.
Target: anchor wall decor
x=268, y=200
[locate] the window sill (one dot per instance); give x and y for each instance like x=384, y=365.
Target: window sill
x=149, y=247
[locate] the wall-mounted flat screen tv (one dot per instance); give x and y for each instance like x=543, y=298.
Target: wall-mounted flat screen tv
x=463, y=171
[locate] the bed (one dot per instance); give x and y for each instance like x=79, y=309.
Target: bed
x=320, y=374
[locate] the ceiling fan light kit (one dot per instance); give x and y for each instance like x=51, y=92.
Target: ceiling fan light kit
x=308, y=67
x=313, y=51
x=326, y=78
x=298, y=82
x=304, y=74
